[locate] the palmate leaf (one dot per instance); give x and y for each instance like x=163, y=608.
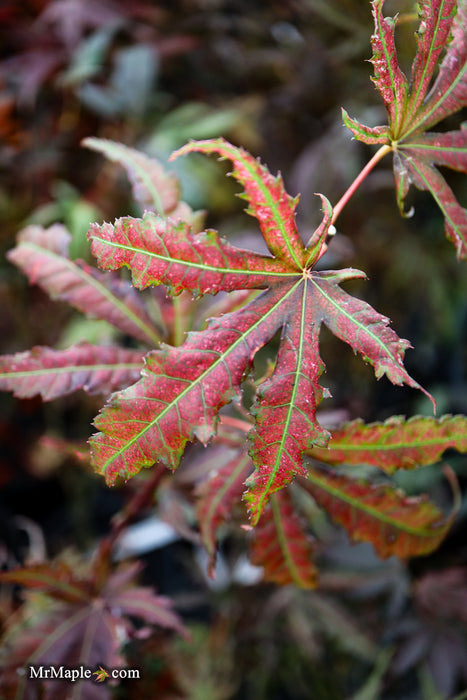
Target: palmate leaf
x=98, y=369
x=182, y=389
x=281, y=546
x=416, y=106
x=395, y=444
x=42, y=255
x=394, y=523
x=80, y=624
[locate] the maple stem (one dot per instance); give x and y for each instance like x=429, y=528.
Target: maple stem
x=380, y=153
x=178, y=329
x=236, y=423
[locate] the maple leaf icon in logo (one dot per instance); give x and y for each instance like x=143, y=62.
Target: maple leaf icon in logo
x=101, y=675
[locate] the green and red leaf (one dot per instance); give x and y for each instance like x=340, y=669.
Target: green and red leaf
x=395, y=444
x=42, y=255
x=364, y=329
x=416, y=166
x=285, y=411
x=182, y=389
x=281, y=546
x=394, y=523
x=411, y=111
x=268, y=201
x=217, y=497
x=159, y=251
x=98, y=369
x=449, y=91
x=390, y=81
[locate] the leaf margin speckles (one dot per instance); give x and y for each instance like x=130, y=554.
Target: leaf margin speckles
x=371, y=135
x=159, y=251
x=390, y=347
x=268, y=200
x=285, y=410
x=390, y=81
x=397, y=443
x=241, y=334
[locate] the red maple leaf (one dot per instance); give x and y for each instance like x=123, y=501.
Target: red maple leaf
x=182, y=389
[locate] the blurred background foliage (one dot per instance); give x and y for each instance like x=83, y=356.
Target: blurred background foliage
x=270, y=75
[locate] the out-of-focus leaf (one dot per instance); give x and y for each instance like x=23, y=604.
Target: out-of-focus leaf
x=216, y=497
x=69, y=19
x=394, y=523
x=130, y=85
x=56, y=580
x=371, y=690
x=154, y=610
x=444, y=592
x=42, y=254
x=98, y=369
x=153, y=187
x=88, y=58
x=76, y=630
x=281, y=546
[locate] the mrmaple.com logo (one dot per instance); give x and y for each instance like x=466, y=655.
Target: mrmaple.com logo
x=79, y=673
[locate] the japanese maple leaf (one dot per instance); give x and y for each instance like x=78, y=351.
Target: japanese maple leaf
x=101, y=675
x=417, y=105
x=70, y=618
x=182, y=389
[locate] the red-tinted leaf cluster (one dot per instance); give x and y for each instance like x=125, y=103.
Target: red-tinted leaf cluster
x=414, y=106
x=84, y=623
x=182, y=388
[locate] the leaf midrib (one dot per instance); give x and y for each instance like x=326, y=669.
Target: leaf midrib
x=431, y=147
x=420, y=120
x=397, y=113
x=70, y=369
x=393, y=446
x=291, y=405
x=279, y=221
x=198, y=380
x=351, y=318
x=283, y=543
x=444, y=209
x=99, y=287
x=420, y=82
x=200, y=266
x=372, y=512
